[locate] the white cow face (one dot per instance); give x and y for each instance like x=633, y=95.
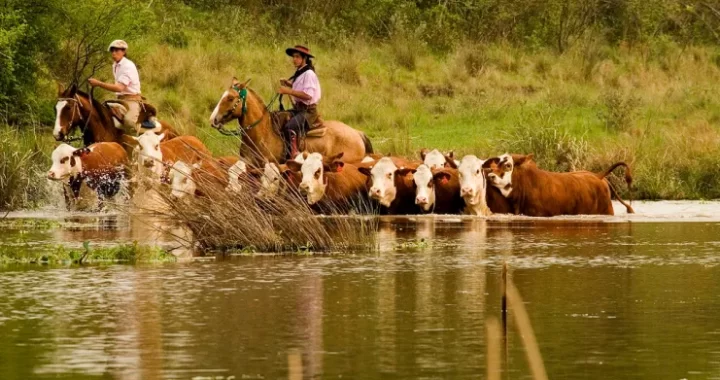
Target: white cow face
x=382, y=175
x=65, y=163
x=150, y=155
x=313, y=178
x=234, y=173
x=473, y=185
x=181, y=180
x=424, y=187
x=500, y=175
x=434, y=159
x=270, y=181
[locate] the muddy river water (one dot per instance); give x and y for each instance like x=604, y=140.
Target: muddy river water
x=626, y=297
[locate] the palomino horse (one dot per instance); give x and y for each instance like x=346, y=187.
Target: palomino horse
x=261, y=131
x=75, y=109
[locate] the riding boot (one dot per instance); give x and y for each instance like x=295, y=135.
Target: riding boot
x=293, y=144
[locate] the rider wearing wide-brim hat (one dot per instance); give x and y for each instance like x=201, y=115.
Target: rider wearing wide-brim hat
x=127, y=83
x=304, y=88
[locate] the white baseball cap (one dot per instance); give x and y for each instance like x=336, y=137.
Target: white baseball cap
x=118, y=44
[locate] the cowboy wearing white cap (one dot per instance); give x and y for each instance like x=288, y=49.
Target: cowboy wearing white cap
x=127, y=83
x=304, y=88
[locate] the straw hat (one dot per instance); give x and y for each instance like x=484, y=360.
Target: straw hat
x=299, y=49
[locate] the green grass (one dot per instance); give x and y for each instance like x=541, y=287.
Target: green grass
x=24, y=160
x=124, y=253
x=657, y=109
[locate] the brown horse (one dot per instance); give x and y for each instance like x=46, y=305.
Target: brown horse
x=76, y=109
x=261, y=136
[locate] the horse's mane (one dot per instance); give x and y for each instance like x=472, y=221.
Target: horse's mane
x=101, y=110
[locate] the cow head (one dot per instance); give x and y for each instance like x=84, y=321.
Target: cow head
x=433, y=159
x=148, y=151
x=383, y=175
x=236, y=171
x=273, y=178
x=473, y=185
x=501, y=170
x=66, y=162
x=181, y=180
x=228, y=108
x=67, y=112
x=314, y=178
x=424, y=187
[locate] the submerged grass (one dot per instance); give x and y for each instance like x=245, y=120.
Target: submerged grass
x=124, y=253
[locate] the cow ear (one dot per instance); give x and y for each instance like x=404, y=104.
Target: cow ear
x=451, y=154
x=423, y=153
x=442, y=176
x=161, y=136
x=450, y=162
x=365, y=170
x=81, y=152
x=293, y=165
x=405, y=171
x=337, y=166
x=520, y=159
x=490, y=161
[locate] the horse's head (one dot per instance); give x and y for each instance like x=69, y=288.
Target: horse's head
x=67, y=112
x=229, y=107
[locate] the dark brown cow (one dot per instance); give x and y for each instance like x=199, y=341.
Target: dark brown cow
x=536, y=192
x=438, y=190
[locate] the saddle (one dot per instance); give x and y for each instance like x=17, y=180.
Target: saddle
x=147, y=118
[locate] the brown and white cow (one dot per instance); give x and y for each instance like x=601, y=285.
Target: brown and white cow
x=437, y=190
x=160, y=156
x=210, y=176
x=536, y=192
x=473, y=182
x=101, y=167
x=435, y=160
x=277, y=180
x=331, y=184
x=390, y=182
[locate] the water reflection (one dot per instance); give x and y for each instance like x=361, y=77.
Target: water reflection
x=606, y=301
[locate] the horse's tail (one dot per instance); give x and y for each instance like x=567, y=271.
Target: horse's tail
x=368, y=144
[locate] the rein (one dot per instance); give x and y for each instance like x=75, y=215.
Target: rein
x=242, y=98
x=76, y=108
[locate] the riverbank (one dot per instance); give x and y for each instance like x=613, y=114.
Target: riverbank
x=653, y=106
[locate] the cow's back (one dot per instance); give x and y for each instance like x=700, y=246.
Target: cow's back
x=188, y=149
x=346, y=186
x=104, y=156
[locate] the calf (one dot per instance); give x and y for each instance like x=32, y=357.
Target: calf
x=437, y=190
x=537, y=192
x=160, y=156
x=473, y=180
x=332, y=185
x=390, y=182
x=101, y=166
x=208, y=177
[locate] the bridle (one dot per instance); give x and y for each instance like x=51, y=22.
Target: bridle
x=242, y=99
x=75, y=109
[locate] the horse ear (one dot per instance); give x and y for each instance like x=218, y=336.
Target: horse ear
x=73, y=89
x=234, y=81
x=247, y=82
x=60, y=89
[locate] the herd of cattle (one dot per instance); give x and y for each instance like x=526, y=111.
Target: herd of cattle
x=433, y=183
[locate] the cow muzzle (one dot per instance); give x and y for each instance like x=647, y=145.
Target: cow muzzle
x=375, y=193
x=421, y=201
x=466, y=191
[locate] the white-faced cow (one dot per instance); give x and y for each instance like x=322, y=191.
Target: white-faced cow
x=437, y=190
x=536, y=192
x=101, y=167
x=160, y=156
x=390, y=182
x=210, y=176
x=331, y=184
